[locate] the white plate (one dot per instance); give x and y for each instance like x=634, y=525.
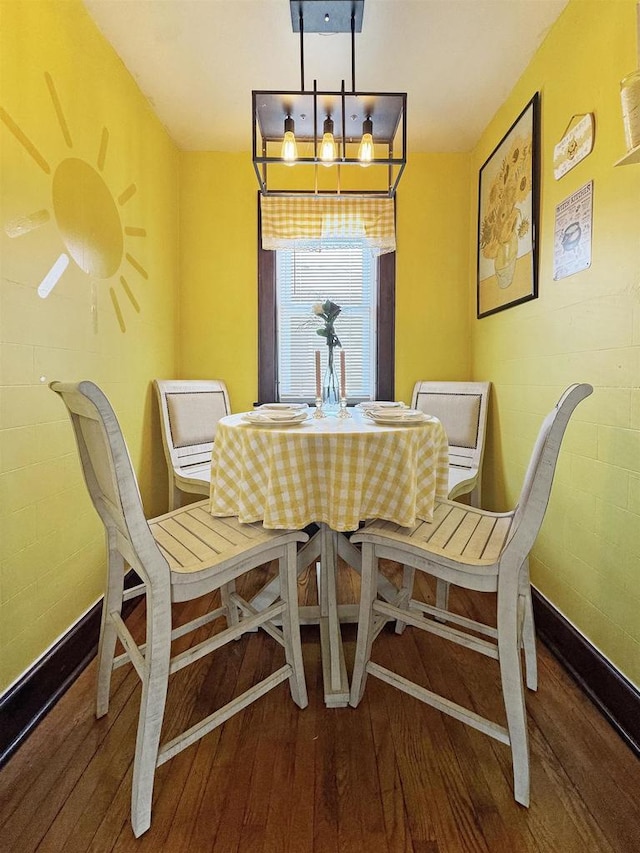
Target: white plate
x=275, y=419
x=368, y=405
x=283, y=407
x=403, y=417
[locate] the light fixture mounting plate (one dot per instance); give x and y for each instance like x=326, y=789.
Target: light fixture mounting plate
x=326, y=16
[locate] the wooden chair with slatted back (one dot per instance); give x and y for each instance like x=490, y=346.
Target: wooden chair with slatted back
x=477, y=550
x=462, y=408
x=189, y=413
x=179, y=556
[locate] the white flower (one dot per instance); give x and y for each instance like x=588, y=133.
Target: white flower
x=317, y=308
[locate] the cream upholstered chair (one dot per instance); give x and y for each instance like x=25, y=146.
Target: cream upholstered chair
x=462, y=409
x=180, y=556
x=189, y=412
x=477, y=550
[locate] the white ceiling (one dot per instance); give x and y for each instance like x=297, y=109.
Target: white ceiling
x=198, y=60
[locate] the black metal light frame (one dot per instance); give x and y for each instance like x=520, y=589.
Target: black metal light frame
x=348, y=110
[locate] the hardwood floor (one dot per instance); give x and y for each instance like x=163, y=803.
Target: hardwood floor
x=392, y=775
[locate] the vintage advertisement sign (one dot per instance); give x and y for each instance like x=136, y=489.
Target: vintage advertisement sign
x=572, y=235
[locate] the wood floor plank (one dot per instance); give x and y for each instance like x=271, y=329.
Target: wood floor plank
x=258, y=662
x=325, y=790
x=389, y=781
x=582, y=740
x=392, y=776
x=256, y=765
x=454, y=808
x=193, y=808
x=488, y=782
x=77, y=821
x=272, y=780
x=563, y=821
x=301, y=804
x=361, y=802
x=58, y=734
x=185, y=706
x=60, y=774
x=488, y=789
x=83, y=810
x=422, y=738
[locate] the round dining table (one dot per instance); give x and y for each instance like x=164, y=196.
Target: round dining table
x=335, y=472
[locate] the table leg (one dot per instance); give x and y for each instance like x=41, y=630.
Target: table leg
x=334, y=671
x=326, y=545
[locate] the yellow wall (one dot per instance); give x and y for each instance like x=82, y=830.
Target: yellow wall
x=61, y=87
x=582, y=328
x=432, y=330
x=218, y=238
x=198, y=214
x=64, y=95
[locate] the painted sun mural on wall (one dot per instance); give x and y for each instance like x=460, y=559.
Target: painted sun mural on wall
x=86, y=214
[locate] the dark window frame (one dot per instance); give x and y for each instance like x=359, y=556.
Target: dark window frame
x=268, y=324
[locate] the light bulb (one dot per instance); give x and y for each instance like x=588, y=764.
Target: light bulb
x=365, y=151
x=328, y=144
x=289, y=152
x=289, y=148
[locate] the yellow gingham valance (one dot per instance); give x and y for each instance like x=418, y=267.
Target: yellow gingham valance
x=288, y=220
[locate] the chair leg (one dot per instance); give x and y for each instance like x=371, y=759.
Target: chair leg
x=408, y=575
x=291, y=624
x=512, y=689
x=233, y=616
x=442, y=594
x=108, y=635
x=528, y=639
x=368, y=591
x=152, y=703
x=175, y=496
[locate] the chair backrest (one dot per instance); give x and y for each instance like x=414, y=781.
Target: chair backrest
x=462, y=409
x=110, y=478
x=536, y=489
x=189, y=413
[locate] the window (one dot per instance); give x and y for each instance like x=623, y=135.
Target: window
x=346, y=273
x=277, y=372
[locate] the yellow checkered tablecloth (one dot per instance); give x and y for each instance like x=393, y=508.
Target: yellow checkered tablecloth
x=339, y=472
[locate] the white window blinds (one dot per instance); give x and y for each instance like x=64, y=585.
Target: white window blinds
x=344, y=272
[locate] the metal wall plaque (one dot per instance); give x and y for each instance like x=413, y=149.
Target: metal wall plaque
x=572, y=234
x=575, y=145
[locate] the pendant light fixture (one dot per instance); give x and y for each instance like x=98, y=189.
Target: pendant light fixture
x=312, y=128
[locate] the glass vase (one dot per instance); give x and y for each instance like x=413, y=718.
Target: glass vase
x=330, y=385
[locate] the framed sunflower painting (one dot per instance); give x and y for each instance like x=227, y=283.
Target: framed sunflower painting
x=508, y=196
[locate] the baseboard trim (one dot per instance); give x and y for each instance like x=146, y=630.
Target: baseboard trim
x=614, y=695
x=25, y=704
